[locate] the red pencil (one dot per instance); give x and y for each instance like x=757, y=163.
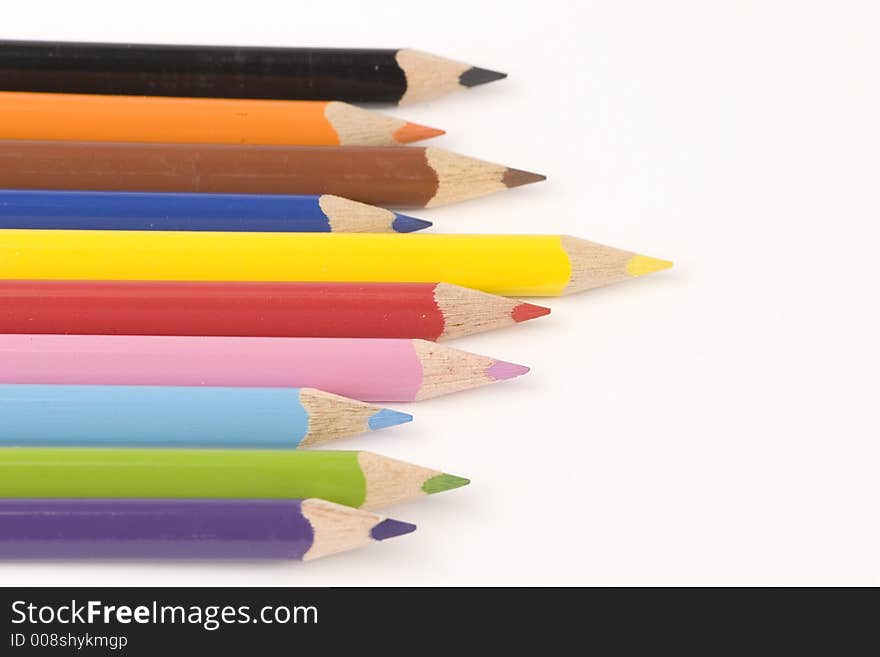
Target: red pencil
x=431, y=311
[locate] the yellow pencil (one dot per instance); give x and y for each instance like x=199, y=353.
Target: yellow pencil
x=517, y=265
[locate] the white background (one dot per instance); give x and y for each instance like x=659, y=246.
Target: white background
x=716, y=424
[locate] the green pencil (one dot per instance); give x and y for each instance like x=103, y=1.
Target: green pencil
x=356, y=479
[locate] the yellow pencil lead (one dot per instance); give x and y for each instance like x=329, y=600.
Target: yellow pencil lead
x=640, y=265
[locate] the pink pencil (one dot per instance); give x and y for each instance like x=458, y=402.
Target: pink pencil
x=366, y=369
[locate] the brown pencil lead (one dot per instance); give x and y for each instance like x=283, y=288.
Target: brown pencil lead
x=517, y=177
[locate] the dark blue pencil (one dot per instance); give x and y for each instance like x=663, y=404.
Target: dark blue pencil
x=79, y=210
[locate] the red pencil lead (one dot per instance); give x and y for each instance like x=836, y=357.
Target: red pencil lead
x=526, y=311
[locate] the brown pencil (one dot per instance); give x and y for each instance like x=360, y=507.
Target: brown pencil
x=385, y=176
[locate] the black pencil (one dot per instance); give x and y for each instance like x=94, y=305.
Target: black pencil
x=355, y=75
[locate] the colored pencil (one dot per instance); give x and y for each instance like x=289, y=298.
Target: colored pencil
x=384, y=176
x=430, y=311
x=186, y=529
x=514, y=265
x=360, y=368
x=356, y=479
x=66, y=210
x=180, y=416
x=85, y=117
x=352, y=74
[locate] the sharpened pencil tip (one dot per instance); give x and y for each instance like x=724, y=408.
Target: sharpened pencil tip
x=502, y=370
x=405, y=224
x=443, y=482
x=640, y=265
x=523, y=312
x=518, y=177
x=475, y=76
x=390, y=528
x=388, y=418
x=410, y=132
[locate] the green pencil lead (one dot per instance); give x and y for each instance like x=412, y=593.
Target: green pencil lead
x=442, y=482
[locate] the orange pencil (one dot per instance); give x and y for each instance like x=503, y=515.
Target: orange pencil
x=83, y=117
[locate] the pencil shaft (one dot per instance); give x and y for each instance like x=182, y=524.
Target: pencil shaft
x=152, y=529
x=523, y=265
x=85, y=210
x=335, y=476
x=331, y=310
x=367, y=370
x=380, y=176
x=177, y=416
x=212, y=71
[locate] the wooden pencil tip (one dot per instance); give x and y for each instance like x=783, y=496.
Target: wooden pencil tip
x=410, y=132
x=475, y=76
x=339, y=528
x=641, y=265
x=446, y=370
x=518, y=177
x=523, y=312
x=594, y=265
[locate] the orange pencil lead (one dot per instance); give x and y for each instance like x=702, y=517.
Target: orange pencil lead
x=410, y=132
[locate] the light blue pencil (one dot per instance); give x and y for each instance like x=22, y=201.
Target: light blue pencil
x=181, y=416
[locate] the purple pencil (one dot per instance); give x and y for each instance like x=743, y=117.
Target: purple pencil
x=186, y=528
